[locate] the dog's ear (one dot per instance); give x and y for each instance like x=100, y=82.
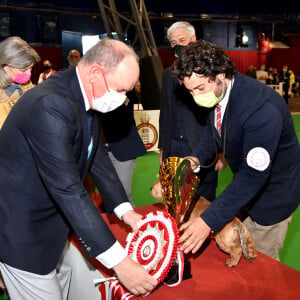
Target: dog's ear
x=157, y=191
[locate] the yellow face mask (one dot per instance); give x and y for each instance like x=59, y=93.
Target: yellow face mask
x=209, y=99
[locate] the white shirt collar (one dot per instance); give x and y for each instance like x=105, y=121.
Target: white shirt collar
x=86, y=101
x=223, y=103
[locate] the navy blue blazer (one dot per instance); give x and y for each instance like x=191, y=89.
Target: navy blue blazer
x=43, y=164
x=256, y=116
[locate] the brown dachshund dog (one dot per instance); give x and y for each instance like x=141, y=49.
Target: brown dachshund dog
x=234, y=238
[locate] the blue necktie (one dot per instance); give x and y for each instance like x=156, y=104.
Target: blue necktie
x=90, y=131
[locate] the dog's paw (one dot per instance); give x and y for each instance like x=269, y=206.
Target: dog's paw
x=232, y=262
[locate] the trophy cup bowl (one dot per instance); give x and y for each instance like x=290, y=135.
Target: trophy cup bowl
x=179, y=185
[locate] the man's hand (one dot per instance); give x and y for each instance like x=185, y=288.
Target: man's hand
x=221, y=162
x=133, y=277
x=131, y=218
x=195, y=233
x=160, y=156
x=194, y=162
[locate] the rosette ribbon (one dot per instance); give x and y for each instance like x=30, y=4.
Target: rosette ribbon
x=154, y=247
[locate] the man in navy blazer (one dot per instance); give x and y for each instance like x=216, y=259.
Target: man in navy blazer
x=258, y=140
x=45, y=153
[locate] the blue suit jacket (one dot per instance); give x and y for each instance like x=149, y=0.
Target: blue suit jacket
x=256, y=116
x=43, y=163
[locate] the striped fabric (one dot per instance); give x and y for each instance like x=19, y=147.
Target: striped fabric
x=218, y=119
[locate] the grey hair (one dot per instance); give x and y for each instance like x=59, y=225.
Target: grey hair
x=15, y=53
x=108, y=53
x=188, y=27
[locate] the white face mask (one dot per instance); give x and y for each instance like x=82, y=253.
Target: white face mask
x=108, y=102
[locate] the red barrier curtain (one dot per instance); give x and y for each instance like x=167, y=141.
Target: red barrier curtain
x=285, y=56
x=243, y=58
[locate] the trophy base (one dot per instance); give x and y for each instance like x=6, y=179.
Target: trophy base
x=173, y=276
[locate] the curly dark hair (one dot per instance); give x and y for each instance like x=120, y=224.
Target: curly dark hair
x=203, y=58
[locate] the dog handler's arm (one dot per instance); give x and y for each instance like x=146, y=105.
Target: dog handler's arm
x=195, y=233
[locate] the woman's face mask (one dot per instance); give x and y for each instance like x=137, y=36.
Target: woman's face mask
x=22, y=78
x=209, y=99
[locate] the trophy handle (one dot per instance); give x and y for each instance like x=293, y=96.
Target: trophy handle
x=185, y=186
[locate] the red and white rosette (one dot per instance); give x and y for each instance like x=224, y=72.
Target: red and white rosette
x=155, y=244
x=154, y=247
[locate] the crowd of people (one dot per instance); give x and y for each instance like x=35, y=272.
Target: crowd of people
x=56, y=133
x=290, y=84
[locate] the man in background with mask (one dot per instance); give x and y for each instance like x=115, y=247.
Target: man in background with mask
x=262, y=74
x=254, y=129
x=284, y=77
x=48, y=143
x=181, y=121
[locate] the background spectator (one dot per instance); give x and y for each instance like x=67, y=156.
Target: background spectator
x=48, y=71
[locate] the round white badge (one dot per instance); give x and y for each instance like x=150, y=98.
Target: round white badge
x=258, y=158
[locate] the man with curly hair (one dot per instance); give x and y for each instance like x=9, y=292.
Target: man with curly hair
x=254, y=129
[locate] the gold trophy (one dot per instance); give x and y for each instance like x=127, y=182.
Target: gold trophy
x=179, y=185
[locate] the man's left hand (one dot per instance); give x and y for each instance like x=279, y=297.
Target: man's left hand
x=131, y=218
x=195, y=233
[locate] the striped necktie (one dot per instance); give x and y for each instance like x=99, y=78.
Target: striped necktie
x=218, y=119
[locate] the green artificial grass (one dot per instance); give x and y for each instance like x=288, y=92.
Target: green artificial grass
x=144, y=176
x=146, y=173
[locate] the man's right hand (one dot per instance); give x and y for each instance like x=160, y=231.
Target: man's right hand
x=133, y=277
